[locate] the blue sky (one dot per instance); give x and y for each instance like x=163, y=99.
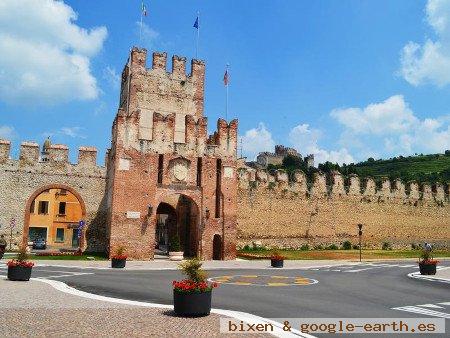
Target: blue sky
x=344, y=80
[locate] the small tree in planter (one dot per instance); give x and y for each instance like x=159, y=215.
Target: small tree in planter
x=19, y=269
x=175, y=252
x=427, y=265
x=192, y=296
x=119, y=260
x=277, y=260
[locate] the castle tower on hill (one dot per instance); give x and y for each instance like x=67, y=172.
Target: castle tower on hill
x=167, y=179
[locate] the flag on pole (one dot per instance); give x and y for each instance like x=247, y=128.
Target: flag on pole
x=144, y=9
x=225, y=78
x=196, y=23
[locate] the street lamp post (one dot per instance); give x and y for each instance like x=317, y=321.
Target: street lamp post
x=360, y=235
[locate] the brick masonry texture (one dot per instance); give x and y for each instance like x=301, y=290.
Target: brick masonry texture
x=287, y=213
x=162, y=156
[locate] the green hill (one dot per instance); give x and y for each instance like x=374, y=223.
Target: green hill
x=423, y=168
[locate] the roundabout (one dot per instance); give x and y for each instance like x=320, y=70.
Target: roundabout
x=263, y=280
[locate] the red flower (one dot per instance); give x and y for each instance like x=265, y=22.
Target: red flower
x=121, y=257
x=23, y=264
x=190, y=286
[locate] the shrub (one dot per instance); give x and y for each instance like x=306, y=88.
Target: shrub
x=318, y=247
x=414, y=246
x=346, y=245
x=355, y=246
x=331, y=247
x=386, y=246
x=304, y=247
x=192, y=268
x=246, y=248
x=175, y=244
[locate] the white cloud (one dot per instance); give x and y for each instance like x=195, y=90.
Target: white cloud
x=305, y=140
x=110, y=74
x=430, y=62
x=44, y=55
x=7, y=132
x=257, y=140
x=147, y=34
x=393, y=127
x=74, y=132
x=390, y=116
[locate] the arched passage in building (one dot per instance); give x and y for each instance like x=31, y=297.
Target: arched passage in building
x=177, y=216
x=217, y=247
x=53, y=213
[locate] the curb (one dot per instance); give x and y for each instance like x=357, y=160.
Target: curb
x=431, y=278
x=243, y=316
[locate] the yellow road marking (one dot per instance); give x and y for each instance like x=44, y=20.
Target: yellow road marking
x=277, y=284
x=241, y=283
x=302, y=282
x=249, y=276
x=221, y=280
x=280, y=277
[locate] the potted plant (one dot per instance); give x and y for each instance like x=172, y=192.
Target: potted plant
x=19, y=269
x=276, y=260
x=192, y=296
x=175, y=252
x=119, y=260
x=427, y=265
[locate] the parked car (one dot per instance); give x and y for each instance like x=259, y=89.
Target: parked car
x=40, y=244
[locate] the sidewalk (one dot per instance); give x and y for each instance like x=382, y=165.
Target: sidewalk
x=35, y=309
x=165, y=264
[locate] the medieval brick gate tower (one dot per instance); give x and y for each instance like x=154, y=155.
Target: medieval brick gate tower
x=166, y=178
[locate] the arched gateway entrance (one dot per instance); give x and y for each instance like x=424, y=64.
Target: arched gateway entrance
x=177, y=217
x=52, y=213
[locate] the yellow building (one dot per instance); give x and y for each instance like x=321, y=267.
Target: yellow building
x=54, y=216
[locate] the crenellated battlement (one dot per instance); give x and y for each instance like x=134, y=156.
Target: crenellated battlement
x=335, y=186
x=54, y=159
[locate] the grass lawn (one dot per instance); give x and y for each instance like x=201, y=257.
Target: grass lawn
x=339, y=254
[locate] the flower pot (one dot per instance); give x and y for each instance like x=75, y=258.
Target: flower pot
x=276, y=263
x=194, y=304
x=19, y=273
x=427, y=269
x=118, y=263
x=176, y=255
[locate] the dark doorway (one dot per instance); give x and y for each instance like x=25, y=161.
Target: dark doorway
x=217, y=247
x=165, y=227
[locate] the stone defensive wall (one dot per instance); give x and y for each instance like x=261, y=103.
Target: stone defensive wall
x=279, y=211
x=22, y=179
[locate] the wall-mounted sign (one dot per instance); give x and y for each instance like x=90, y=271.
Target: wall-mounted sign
x=133, y=214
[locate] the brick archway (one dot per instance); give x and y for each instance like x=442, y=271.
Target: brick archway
x=187, y=214
x=26, y=222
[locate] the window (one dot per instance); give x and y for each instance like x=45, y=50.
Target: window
x=160, y=168
x=43, y=207
x=32, y=208
x=63, y=192
x=59, y=235
x=62, y=208
x=199, y=172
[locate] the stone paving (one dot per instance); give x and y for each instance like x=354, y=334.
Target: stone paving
x=35, y=309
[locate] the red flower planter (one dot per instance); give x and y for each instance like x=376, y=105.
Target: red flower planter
x=118, y=263
x=196, y=304
x=19, y=273
x=427, y=269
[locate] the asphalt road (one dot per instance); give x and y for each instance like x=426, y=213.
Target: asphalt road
x=362, y=291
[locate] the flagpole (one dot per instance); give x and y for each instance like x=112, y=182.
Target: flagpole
x=226, y=101
x=140, y=28
x=198, y=34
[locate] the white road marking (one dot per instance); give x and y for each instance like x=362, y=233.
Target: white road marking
x=246, y=317
x=445, y=303
x=72, y=274
x=430, y=278
x=431, y=306
x=416, y=309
